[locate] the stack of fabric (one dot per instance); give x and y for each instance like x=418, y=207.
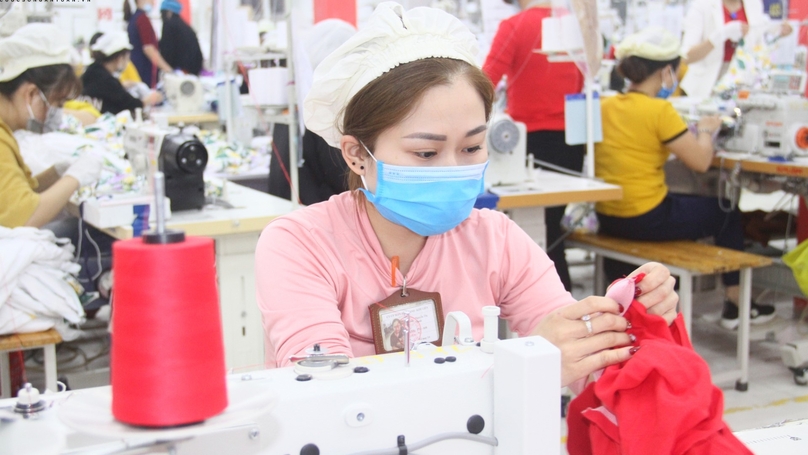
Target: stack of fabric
x=38, y=289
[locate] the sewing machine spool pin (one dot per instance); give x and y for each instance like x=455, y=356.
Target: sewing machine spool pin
x=161, y=235
x=28, y=401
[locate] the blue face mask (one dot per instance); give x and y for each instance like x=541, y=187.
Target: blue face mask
x=426, y=200
x=665, y=92
x=147, y=8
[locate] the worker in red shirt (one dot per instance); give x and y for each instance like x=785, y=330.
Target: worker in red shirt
x=145, y=52
x=535, y=90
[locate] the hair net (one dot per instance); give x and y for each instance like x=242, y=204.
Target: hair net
x=171, y=5
x=111, y=42
x=652, y=43
x=391, y=37
x=325, y=37
x=32, y=46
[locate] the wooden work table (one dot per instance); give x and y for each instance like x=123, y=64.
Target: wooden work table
x=525, y=202
x=251, y=211
x=209, y=120
x=798, y=167
x=553, y=188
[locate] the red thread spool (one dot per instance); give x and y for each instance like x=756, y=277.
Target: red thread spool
x=167, y=360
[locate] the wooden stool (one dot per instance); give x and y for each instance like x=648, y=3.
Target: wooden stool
x=685, y=259
x=22, y=342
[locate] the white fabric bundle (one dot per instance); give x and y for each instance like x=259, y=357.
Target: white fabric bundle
x=34, y=293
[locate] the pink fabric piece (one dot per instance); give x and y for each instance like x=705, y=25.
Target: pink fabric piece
x=622, y=292
x=319, y=268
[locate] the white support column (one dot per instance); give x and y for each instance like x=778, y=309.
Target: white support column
x=686, y=299
x=50, y=368
x=744, y=309
x=5, y=375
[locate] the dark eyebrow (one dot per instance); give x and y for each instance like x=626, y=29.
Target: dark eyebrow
x=477, y=130
x=441, y=137
x=427, y=136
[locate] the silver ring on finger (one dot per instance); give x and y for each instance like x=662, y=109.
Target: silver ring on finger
x=587, y=319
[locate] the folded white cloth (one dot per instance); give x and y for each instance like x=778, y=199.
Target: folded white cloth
x=34, y=292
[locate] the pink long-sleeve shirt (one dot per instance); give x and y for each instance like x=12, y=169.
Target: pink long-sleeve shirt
x=318, y=269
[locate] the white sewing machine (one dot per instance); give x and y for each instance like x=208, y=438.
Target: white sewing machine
x=499, y=398
x=184, y=92
x=507, y=151
x=764, y=124
x=772, y=125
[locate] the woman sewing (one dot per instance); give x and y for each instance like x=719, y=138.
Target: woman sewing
x=406, y=104
x=640, y=131
x=712, y=31
x=110, y=53
x=35, y=80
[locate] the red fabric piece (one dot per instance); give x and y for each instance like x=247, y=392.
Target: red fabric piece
x=729, y=46
x=536, y=87
x=662, y=398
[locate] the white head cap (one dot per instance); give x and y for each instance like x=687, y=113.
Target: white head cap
x=112, y=42
x=32, y=46
x=391, y=37
x=652, y=43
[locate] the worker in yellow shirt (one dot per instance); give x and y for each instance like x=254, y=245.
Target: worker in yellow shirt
x=129, y=75
x=640, y=131
x=35, y=80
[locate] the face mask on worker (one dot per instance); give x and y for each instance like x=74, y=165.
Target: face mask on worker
x=147, y=8
x=53, y=118
x=426, y=200
x=120, y=67
x=665, y=92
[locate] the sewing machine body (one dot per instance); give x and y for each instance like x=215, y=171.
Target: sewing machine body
x=510, y=398
x=184, y=93
x=507, y=151
x=181, y=157
x=772, y=126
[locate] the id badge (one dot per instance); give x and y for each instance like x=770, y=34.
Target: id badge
x=389, y=318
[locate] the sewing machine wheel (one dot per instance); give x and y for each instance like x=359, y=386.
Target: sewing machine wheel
x=504, y=136
x=187, y=88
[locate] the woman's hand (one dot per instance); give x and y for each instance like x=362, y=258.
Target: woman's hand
x=656, y=290
x=710, y=122
x=785, y=29
x=153, y=98
x=584, y=351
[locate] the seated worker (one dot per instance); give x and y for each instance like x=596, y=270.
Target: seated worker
x=406, y=104
x=323, y=173
x=640, y=131
x=36, y=79
x=101, y=84
x=178, y=44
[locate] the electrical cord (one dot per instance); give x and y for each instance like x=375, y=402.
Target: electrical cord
x=98, y=257
x=728, y=180
x=411, y=448
x=575, y=225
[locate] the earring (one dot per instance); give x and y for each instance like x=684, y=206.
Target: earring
x=362, y=167
x=353, y=163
